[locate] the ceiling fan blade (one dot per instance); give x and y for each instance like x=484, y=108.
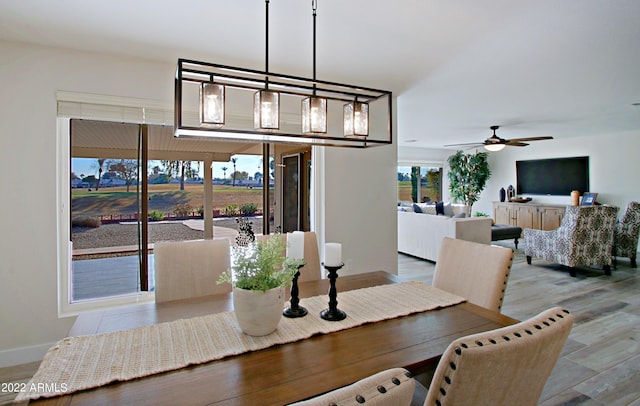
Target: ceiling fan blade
x=513, y=143
x=531, y=139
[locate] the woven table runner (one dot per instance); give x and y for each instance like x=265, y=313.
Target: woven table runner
x=83, y=362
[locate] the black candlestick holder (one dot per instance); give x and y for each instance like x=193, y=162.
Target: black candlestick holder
x=295, y=310
x=333, y=313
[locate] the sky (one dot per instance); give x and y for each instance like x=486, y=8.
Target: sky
x=247, y=163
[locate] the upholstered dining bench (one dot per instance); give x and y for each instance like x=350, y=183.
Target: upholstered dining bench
x=505, y=232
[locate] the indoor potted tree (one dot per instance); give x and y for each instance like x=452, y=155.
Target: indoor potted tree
x=468, y=175
x=259, y=275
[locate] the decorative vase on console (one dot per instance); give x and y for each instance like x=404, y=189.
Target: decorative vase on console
x=575, y=198
x=503, y=194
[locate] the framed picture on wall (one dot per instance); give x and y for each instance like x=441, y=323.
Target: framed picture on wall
x=589, y=199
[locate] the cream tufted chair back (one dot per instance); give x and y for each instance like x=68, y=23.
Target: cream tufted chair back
x=507, y=366
x=392, y=387
x=311, y=270
x=477, y=272
x=185, y=269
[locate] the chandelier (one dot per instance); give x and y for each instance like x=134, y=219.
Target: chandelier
x=239, y=104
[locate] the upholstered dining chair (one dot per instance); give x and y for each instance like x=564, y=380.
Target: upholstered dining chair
x=625, y=243
x=506, y=366
x=185, y=269
x=477, y=272
x=391, y=387
x=584, y=238
x=311, y=269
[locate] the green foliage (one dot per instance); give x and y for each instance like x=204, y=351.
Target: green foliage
x=156, y=215
x=85, y=221
x=91, y=180
x=248, y=208
x=231, y=210
x=480, y=214
x=261, y=266
x=159, y=179
x=182, y=210
x=468, y=175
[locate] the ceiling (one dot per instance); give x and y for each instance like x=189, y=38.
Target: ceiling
x=90, y=139
x=562, y=68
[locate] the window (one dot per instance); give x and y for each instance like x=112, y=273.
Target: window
x=419, y=184
x=104, y=165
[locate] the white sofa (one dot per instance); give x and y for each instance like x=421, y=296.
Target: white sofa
x=421, y=234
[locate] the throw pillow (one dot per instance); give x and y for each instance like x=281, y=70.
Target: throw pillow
x=429, y=209
x=448, y=209
x=459, y=216
x=417, y=208
x=440, y=208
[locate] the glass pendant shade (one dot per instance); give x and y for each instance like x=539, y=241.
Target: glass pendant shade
x=212, y=104
x=494, y=147
x=356, y=119
x=314, y=115
x=266, y=110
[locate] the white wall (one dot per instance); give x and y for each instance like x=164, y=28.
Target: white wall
x=358, y=198
x=360, y=207
x=422, y=156
x=30, y=77
x=614, y=166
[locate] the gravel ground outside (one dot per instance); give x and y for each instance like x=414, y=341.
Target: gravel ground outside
x=115, y=235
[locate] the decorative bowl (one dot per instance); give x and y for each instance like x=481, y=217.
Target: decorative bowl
x=520, y=199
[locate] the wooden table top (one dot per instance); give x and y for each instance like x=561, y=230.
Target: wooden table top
x=284, y=373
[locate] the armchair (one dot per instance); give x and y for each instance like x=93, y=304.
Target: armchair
x=584, y=238
x=626, y=234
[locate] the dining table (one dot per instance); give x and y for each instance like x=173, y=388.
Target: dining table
x=285, y=373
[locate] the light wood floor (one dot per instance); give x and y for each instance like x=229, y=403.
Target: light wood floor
x=600, y=364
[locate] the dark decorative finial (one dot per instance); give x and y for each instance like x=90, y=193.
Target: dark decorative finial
x=245, y=232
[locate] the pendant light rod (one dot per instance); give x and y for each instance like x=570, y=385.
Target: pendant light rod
x=314, y=7
x=266, y=45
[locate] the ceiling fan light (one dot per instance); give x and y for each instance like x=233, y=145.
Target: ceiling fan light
x=494, y=147
x=266, y=110
x=356, y=119
x=314, y=115
x=212, y=99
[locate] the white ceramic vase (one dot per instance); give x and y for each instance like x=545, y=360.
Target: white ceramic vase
x=258, y=312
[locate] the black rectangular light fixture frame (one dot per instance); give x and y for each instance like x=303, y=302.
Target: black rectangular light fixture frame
x=253, y=80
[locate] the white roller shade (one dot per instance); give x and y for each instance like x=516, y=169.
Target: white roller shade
x=112, y=108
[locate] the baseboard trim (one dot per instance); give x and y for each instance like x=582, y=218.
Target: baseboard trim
x=23, y=355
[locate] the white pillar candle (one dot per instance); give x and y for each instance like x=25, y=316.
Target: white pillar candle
x=333, y=254
x=295, y=245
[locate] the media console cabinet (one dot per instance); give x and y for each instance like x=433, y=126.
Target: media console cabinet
x=528, y=215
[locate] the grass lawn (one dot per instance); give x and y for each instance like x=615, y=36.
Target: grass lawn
x=404, y=192
x=163, y=197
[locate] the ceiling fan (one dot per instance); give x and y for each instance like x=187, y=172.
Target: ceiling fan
x=495, y=143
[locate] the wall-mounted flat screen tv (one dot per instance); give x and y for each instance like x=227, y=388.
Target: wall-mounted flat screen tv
x=555, y=176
